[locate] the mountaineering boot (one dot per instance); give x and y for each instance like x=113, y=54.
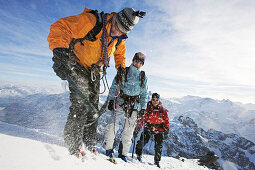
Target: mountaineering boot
x=139, y=158
x=123, y=157
x=157, y=163
x=81, y=153
x=109, y=153
x=94, y=151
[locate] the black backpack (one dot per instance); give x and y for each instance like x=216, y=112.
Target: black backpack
x=91, y=35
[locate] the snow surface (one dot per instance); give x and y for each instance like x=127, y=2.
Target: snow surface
x=26, y=154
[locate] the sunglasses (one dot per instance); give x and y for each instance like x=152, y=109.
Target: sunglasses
x=139, y=61
x=155, y=100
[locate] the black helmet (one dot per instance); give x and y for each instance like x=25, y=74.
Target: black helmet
x=155, y=95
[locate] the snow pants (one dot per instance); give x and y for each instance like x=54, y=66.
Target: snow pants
x=127, y=133
x=144, y=139
x=82, y=91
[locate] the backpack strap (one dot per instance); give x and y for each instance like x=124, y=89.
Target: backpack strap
x=161, y=109
x=118, y=43
x=127, y=69
x=142, y=77
x=149, y=107
x=91, y=35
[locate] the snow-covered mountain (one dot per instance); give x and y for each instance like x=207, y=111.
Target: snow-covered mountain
x=191, y=135
x=190, y=141
x=221, y=115
x=8, y=89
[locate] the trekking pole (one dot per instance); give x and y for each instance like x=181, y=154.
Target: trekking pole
x=133, y=148
x=152, y=140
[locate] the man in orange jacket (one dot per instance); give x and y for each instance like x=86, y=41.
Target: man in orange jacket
x=81, y=44
x=156, y=123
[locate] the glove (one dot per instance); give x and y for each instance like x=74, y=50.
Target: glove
x=121, y=72
x=111, y=105
x=59, y=59
x=141, y=113
x=136, y=132
x=165, y=134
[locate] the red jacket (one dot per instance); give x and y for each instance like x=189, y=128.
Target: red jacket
x=155, y=119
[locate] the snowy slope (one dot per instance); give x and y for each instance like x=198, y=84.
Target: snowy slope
x=26, y=154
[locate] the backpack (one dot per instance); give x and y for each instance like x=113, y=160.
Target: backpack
x=142, y=76
x=91, y=35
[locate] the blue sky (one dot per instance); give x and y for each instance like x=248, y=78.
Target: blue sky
x=193, y=47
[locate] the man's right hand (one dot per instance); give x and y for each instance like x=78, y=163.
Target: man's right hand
x=136, y=132
x=111, y=105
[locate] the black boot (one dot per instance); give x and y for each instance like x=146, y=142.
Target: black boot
x=109, y=153
x=157, y=163
x=139, y=158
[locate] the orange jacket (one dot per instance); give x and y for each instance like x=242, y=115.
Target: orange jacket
x=77, y=26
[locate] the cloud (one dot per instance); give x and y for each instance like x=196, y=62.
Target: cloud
x=208, y=43
x=219, y=35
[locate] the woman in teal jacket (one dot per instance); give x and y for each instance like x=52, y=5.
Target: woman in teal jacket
x=132, y=101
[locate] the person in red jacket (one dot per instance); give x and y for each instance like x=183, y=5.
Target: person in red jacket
x=156, y=123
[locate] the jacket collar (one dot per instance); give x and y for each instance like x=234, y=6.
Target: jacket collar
x=133, y=68
x=157, y=107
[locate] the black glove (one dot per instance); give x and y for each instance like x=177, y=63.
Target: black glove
x=111, y=105
x=166, y=134
x=121, y=72
x=60, y=59
x=136, y=132
x=141, y=113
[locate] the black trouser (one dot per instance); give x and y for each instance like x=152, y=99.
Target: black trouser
x=144, y=139
x=82, y=90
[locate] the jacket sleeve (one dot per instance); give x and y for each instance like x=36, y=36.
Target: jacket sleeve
x=64, y=29
x=143, y=94
x=166, y=120
x=119, y=55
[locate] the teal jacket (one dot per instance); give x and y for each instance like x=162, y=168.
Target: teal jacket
x=132, y=87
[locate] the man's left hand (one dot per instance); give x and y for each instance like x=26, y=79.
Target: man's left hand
x=141, y=113
x=120, y=74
